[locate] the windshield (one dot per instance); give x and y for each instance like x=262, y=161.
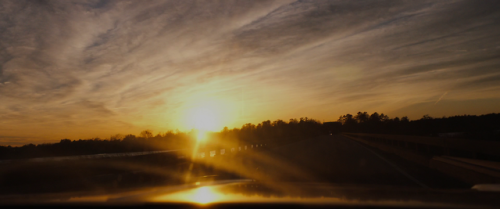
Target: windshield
x=250, y=101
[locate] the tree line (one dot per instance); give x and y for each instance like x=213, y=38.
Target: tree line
x=145, y=141
x=483, y=127
x=266, y=132
x=271, y=132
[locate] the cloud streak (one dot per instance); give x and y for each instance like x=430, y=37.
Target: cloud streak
x=95, y=68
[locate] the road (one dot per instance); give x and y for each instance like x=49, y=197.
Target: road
x=340, y=160
x=328, y=159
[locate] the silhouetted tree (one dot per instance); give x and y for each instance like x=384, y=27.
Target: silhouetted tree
x=362, y=117
x=147, y=134
x=483, y=127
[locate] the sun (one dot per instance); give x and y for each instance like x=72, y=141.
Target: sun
x=205, y=117
x=205, y=114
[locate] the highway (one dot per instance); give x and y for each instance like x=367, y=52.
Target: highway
x=335, y=160
x=339, y=160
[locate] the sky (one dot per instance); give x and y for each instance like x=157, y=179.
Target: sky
x=82, y=69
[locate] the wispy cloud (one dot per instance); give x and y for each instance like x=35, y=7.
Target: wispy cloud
x=441, y=97
x=93, y=68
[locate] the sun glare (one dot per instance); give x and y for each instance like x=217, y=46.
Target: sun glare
x=208, y=114
x=201, y=195
x=205, y=117
x=204, y=195
x=201, y=135
x=208, y=194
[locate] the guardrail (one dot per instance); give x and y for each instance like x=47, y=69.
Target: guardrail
x=230, y=150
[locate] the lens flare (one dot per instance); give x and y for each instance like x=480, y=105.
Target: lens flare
x=201, y=135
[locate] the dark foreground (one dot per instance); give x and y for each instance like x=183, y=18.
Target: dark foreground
x=328, y=159
x=340, y=160
x=330, y=171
